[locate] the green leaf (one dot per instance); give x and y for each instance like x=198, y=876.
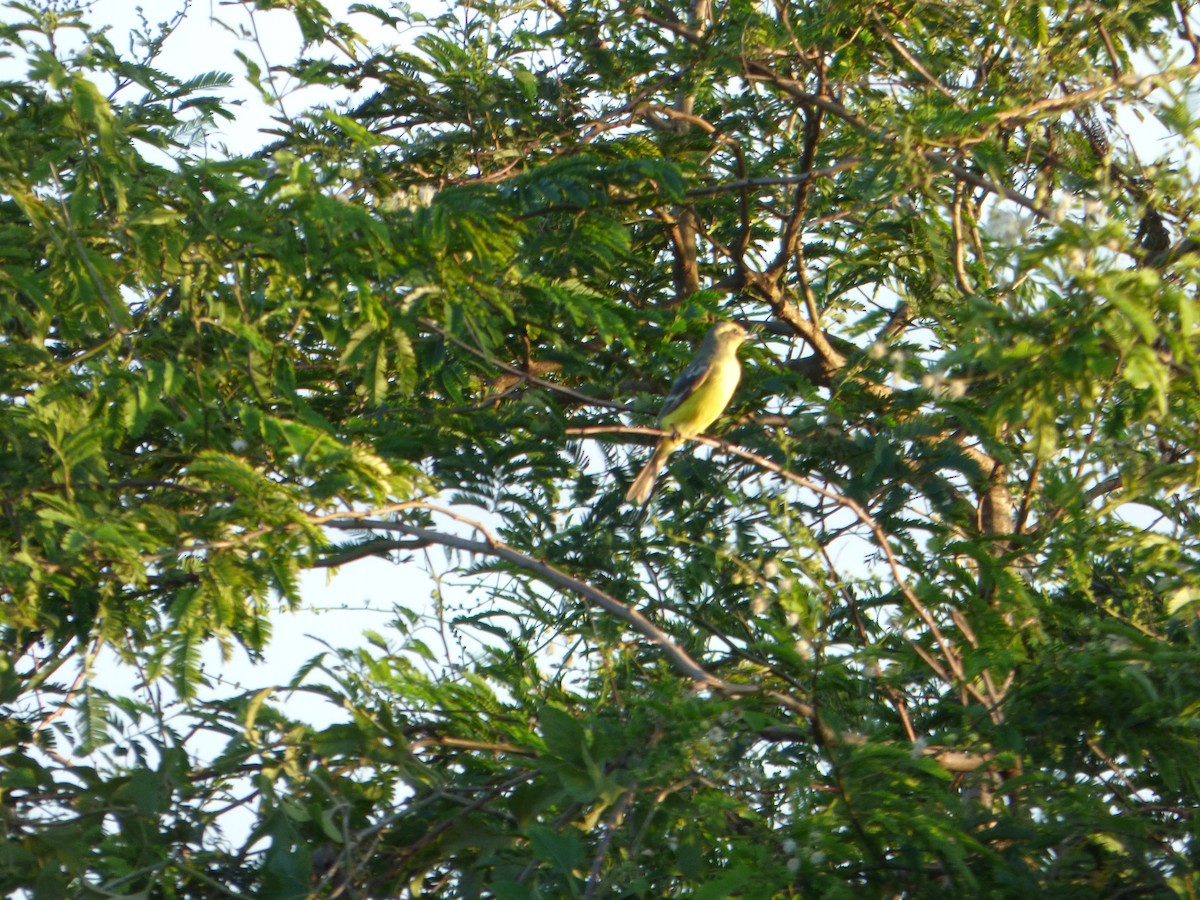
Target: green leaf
x=1145, y=371
x=1182, y=597
x=563, y=734
x=562, y=849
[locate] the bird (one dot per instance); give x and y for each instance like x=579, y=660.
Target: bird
x=696, y=400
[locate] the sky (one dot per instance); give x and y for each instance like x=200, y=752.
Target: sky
x=208, y=39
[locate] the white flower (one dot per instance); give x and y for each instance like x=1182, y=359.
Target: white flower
x=425, y=194
x=1006, y=226
x=1063, y=208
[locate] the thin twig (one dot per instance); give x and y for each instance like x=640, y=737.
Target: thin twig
x=521, y=373
x=614, y=821
x=913, y=62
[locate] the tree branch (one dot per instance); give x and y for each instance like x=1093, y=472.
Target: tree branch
x=491, y=546
x=957, y=670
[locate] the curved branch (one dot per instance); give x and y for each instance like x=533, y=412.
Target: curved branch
x=493, y=547
x=957, y=670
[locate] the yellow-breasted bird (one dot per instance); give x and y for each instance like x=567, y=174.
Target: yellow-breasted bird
x=697, y=399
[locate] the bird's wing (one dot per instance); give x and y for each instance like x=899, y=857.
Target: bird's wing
x=685, y=385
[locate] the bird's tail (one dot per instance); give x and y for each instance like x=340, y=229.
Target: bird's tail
x=643, y=485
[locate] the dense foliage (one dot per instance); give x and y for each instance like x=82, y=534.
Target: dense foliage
x=921, y=621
